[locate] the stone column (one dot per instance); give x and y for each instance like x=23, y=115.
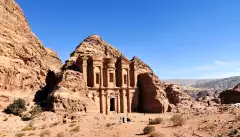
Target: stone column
x=129, y=101
x=93, y=76
x=128, y=78
x=135, y=77
x=123, y=101
x=114, y=78
x=102, y=102
x=101, y=77
x=84, y=67
x=118, y=105
x=107, y=97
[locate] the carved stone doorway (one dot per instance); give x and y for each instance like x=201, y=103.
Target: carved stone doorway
x=112, y=104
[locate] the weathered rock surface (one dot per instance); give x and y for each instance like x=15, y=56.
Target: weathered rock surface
x=94, y=45
x=141, y=66
x=175, y=94
x=71, y=94
x=153, y=98
x=24, y=61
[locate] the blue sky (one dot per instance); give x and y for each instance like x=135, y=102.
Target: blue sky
x=177, y=38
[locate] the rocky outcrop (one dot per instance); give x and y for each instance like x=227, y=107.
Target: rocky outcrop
x=24, y=61
x=94, y=45
x=152, y=98
x=175, y=94
x=70, y=95
x=141, y=66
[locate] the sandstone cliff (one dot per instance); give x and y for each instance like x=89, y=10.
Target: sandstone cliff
x=24, y=61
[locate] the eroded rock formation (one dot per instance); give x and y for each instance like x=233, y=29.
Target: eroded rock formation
x=152, y=96
x=175, y=94
x=24, y=61
x=71, y=94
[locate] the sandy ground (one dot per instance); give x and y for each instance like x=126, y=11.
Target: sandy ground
x=97, y=125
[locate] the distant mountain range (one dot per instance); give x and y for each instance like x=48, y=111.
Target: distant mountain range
x=220, y=84
x=186, y=81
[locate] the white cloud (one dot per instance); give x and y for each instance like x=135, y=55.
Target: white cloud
x=227, y=63
x=221, y=63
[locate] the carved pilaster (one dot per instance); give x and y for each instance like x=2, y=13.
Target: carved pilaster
x=84, y=68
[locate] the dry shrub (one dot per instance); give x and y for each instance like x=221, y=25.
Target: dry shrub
x=108, y=125
x=17, y=107
x=156, y=134
x=148, y=129
x=20, y=134
x=36, y=110
x=208, y=127
x=72, y=125
x=29, y=127
x=76, y=129
x=46, y=133
x=31, y=134
x=155, y=121
x=5, y=119
x=54, y=124
x=61, y=134
x=178, y=120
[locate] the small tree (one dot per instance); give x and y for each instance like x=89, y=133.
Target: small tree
x=17, y=107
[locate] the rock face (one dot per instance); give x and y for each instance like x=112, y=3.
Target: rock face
x=94, y=45
x=91, y=46
x=152, y=96
x=141, y=66
x=175, y=94
x=24, y=61
x=71, y=94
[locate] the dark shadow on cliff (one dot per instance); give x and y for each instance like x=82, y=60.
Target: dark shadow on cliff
x=41, y=96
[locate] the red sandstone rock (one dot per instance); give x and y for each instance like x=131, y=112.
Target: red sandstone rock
x=175, y=94
x=70, y=95
x=153, y=98
x=24, y=61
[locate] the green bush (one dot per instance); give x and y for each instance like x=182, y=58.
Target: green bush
x=148, y=129
x=155, y=121
x=17, y=107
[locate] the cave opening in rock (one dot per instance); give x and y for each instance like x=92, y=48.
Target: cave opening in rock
x=112, y=104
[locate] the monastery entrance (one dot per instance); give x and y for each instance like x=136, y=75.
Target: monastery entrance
x=112, y=104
